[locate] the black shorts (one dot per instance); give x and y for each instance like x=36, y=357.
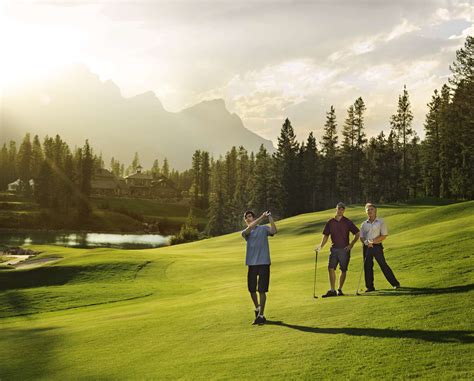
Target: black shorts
x=340, y=256
x=262, y=272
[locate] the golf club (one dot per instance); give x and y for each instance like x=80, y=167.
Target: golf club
x=360, y=276
x=315, y=267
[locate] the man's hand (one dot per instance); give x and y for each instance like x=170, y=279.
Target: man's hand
x=318, y=248
x=348, y=248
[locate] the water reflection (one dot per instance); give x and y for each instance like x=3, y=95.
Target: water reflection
x=85, y=240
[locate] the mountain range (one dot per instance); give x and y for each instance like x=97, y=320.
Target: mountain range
x=77, y=105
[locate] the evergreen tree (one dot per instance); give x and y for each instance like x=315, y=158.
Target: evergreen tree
x=165, y=170
x=361, y=141
x=329, y=160
x=205, y=180
x=241, y=198
x=393, y=169
x=346, y=170
x=219, y=206
x=262, y=176
x=196, y=170
x=447, y=145
x=4, y=167
x=286, y=162
x=36, y=158
x=431, y=153
x=415, y=170
x=401, y=125
x=155, y=169
x=311, y=175
x=231, y=171
x=85, y=175
x=116, y=168
x=461, y=118
x=24, y=164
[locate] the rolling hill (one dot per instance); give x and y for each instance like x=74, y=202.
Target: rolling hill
x=183, y=312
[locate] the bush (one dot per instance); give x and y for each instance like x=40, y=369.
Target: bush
x=186, y=234
x=188, y=231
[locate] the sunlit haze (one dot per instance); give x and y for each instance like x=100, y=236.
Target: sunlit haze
x=267, y=59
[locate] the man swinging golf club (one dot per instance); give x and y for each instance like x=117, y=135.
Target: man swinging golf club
x=258, y=259
x=373, y=232
x=338, y=228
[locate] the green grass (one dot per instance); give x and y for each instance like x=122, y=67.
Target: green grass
x=18, y=212
x=184, y=311
x=148, y=207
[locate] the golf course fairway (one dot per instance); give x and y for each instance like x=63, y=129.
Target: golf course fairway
x=184, y=312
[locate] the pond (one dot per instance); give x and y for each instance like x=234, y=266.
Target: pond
x=85, y=240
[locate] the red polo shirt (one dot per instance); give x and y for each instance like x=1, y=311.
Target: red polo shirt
x=339, y=231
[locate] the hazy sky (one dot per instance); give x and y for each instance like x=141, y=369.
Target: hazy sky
x=267, y=59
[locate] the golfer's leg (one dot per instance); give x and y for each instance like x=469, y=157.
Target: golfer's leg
x=252, y=284
x=332, y=278
x=344, y=259
x=263, y=284
x=387, y=271
x=368, y=268
x=342, y=279
x=253, y=295
x=263, y=300
x=332, y=264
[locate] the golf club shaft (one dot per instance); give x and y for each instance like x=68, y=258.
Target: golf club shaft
x=315, y=268
x=360, y=276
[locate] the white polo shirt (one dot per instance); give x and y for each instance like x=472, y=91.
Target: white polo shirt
x=371, y=230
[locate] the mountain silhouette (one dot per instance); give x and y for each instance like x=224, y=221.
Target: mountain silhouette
x=77, y=105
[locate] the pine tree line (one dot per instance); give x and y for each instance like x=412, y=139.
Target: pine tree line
x=61, y=177
x=391, y=167
x=298, y=177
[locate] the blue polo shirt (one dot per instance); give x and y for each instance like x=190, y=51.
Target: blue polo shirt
x=258, y=250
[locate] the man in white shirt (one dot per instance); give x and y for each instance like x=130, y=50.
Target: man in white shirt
x=372, y=232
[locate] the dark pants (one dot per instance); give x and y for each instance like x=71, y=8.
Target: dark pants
x=377, y=253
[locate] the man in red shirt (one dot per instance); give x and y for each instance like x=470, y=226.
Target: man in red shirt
x=338, y=228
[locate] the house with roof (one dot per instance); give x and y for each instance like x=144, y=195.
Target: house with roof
x=105, y=183
x=145, y=185
x=16, y=186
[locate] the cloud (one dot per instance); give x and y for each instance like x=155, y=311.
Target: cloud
x=466, y=32
x=457, y=11
x=401, y=29
x=268, y=60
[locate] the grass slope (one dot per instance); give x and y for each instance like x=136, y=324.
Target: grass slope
x=184, y=311
x=109, y=214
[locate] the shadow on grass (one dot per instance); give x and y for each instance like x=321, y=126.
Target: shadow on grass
x=30, y=352
x=464, y=337
x=423, y=291
x=61, y=275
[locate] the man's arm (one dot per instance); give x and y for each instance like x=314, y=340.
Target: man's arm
x=351, y=245
x=382, y=236
x=254, y=223
x=273, y=228
x=379, y=239
x=361, y=234
x=323, y=242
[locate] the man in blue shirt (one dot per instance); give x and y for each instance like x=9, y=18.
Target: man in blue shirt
x=258, y=259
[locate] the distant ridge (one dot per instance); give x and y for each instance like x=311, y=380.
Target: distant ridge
x=77, y=105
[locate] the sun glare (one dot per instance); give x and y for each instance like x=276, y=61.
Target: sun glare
x=30, y=52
